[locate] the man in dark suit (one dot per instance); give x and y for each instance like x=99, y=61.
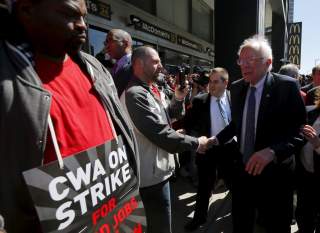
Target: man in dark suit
x=267, y=113
x=209, y=114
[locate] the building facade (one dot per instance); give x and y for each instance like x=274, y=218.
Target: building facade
x=290, y=11
x=181, y=30
x=203, y=33
x=238, y=20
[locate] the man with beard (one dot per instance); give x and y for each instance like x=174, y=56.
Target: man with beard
x=157, y=140
x=44, y=75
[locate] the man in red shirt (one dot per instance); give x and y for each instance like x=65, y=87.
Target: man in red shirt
x=43, y=72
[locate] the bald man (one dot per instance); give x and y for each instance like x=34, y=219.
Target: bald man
x=119, y=47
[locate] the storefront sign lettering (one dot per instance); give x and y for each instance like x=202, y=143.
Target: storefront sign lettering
x=190, y=44
x=95, y=192
x=98, y=8
x=156, y=31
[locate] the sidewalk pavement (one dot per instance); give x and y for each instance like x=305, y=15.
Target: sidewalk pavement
x=183, y=199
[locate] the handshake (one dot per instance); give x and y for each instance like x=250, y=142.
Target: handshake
x=206, y=143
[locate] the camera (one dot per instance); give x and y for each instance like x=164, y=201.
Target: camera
x=180, y=73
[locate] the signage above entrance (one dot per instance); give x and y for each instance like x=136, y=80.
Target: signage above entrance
x=154, y=30
x=99, y=8
x=190, y=44
x=144, y=26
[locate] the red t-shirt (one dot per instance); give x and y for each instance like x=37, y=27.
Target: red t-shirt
x=79, y=118
x=155, y=91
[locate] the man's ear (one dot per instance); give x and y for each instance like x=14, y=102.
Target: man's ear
x=125, y=43
x=269, y=61
x=140, y=62
x=226, y=82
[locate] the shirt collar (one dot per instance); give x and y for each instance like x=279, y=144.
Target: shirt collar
x=26, y=50
x=259, y=84
x=223, y=96
x=126, y=59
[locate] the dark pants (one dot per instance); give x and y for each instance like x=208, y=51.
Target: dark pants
x=267, y=199
x=157, y=204
x=217, y=161
x=206, y=179
x=308, y=205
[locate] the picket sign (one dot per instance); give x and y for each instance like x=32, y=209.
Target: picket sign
x=92, y=191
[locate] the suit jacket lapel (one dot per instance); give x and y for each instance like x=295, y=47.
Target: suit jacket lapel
x=265, y=101
x=238, y=114
x=229, y=101
x=207, y=114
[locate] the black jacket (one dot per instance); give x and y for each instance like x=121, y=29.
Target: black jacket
x=281, y=114
x=122, y=78
x=24, y=108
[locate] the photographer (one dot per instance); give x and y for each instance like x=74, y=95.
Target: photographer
x=199, y=85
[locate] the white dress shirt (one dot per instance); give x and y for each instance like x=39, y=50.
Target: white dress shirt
x=259, y=89
x=217, y=122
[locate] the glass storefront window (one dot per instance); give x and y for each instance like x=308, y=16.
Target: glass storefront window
x=171, y=59
x=207, y=65
x=97, y=36
x=136, y=43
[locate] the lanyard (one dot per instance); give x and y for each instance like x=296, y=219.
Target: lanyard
x=55, y=142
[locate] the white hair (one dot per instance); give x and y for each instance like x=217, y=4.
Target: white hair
x=260, y=44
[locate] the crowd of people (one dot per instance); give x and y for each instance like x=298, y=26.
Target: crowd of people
x=259, y=133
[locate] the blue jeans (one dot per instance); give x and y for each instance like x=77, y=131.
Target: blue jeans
x=157, y=204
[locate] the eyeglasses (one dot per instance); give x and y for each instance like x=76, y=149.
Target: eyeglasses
x=249, y=61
